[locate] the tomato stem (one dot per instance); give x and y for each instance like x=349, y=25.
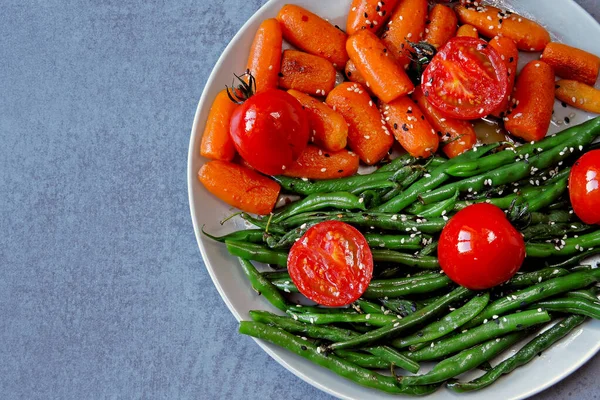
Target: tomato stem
x=244, y=90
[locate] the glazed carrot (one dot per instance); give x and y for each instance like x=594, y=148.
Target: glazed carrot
x=216, y=142
x=306, y=73
x=265, y=54
x=572, y=63
x=368, y=136
x=467, y=30
x=384, y=76
x=328, y=127
x=491, y=21
x=411, y=129
x=239, y=186
x=578, y=95
x=406, y=23
x=510, y=55
x=442, y=25
x=354, y=75
x=369, y=15
x=456, y=136
x=534, y=100
x=315, y=163
x=313, y=34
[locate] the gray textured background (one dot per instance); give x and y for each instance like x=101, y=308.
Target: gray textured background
x=102, y=290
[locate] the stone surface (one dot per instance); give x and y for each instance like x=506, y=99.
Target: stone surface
x=103, y=293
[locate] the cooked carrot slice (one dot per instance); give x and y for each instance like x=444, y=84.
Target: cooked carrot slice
x=572, y=63
x=265, y=54
x=510, y=55
x=467, y=30
x=491, y=21
x=442, y=25
x=315, y=163
x=533, y=102
x=369, y=15
x=578, y=95
x=311, y=33
x=216, y=142
x=384, y=76
x=368, y=135
x=239, y=186
x=407, y=23
x=410, y=127
x=329, y=129
x=306, y=73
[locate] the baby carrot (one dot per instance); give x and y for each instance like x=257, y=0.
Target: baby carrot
x=265, y=54
x=510, y=55
x=368, y=136
x=328, y=127
x=572, y=63
x=315, y=163
x=533, y=102
x=411, y=129
x=442, y=25
x=239, y=186
x=407, y=23
x=578, y=95
x=467, y=30
x=456, y=136
x=384, y=76
x=491, y=21
x=313, y=34
x=306, y=73
x=216, y=142
x=369, y=15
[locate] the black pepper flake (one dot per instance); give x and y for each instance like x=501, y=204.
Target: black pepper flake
x=567, y=120
x=340, y=171
x=409, y=111
x=280, y=75
x=562, y=103
x=349, y=74
x=427, y=22
x=556, y=86
x=372, y=25
x=395, y=126
x=377, y=8
x=303, y=347
x=385, y=50
x=327, y=155
x=402, y=46
x=404, y=127
x=366, y=15
x=511, y=59
x=383, y=13
x=499, y=21
x=423, y=117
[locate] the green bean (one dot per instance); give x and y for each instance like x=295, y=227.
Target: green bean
x=571, y=246
x=553, y=216
x=306, y=187
x=285, y=285
x=535, y=347
x=368, y=307
x=571, y=306
x=588, y=295
x=375, y=185
x=324, y=319
x=286, y=241
x=264, y=224
x=535, y=293
x=396, y=242
x=488, y=330
x=409, y=180
x=531, y=278
x=263, y=286
x=475, y=167
x=255, y=252
x=424, y=286
x=392, y=355
x=318, y=201
x=272, y=275
x=244, y=235
x=554, y=191
x=324, y=310
x=548, y=231
x=341, y=367
x=449, y=323
x=415, y=319
x=463, y=361
x=441, y=208
x=363, y=360
x=401, y=307
x=574, y=260
x=397, y=163
x=435, y=178
x=404, y=281
x=391, y=256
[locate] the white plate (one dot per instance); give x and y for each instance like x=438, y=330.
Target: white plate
x=567, y=21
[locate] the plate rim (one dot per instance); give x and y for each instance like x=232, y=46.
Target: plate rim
x=191, y=180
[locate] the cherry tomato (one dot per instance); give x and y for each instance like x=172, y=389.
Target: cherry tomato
x=584, y=187
x=331, y=264
x=270, y=130
x=479, y=248
x=466, y=79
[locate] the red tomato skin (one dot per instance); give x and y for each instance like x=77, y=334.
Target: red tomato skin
x=444, y=69
x=331, y=264
x=479, y=248
x=270, y=130
x=584, y=187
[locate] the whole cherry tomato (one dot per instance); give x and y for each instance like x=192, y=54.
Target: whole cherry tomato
x=270, y=130
x=331, y=264
x=466, y=79
x=584, y=187
x=479, y=248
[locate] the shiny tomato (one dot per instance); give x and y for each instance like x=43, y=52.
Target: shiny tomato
x=584, y=187
x=479, y=248
x=331, y=264
x=270, y=130
x=466, y=79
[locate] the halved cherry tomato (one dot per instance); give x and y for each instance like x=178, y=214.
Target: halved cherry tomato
x=584, y=187
x=270, y=130
x=479, y=248
x=466, y=79
x=331, y=264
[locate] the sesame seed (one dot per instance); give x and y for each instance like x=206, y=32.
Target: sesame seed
x=323, y=169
